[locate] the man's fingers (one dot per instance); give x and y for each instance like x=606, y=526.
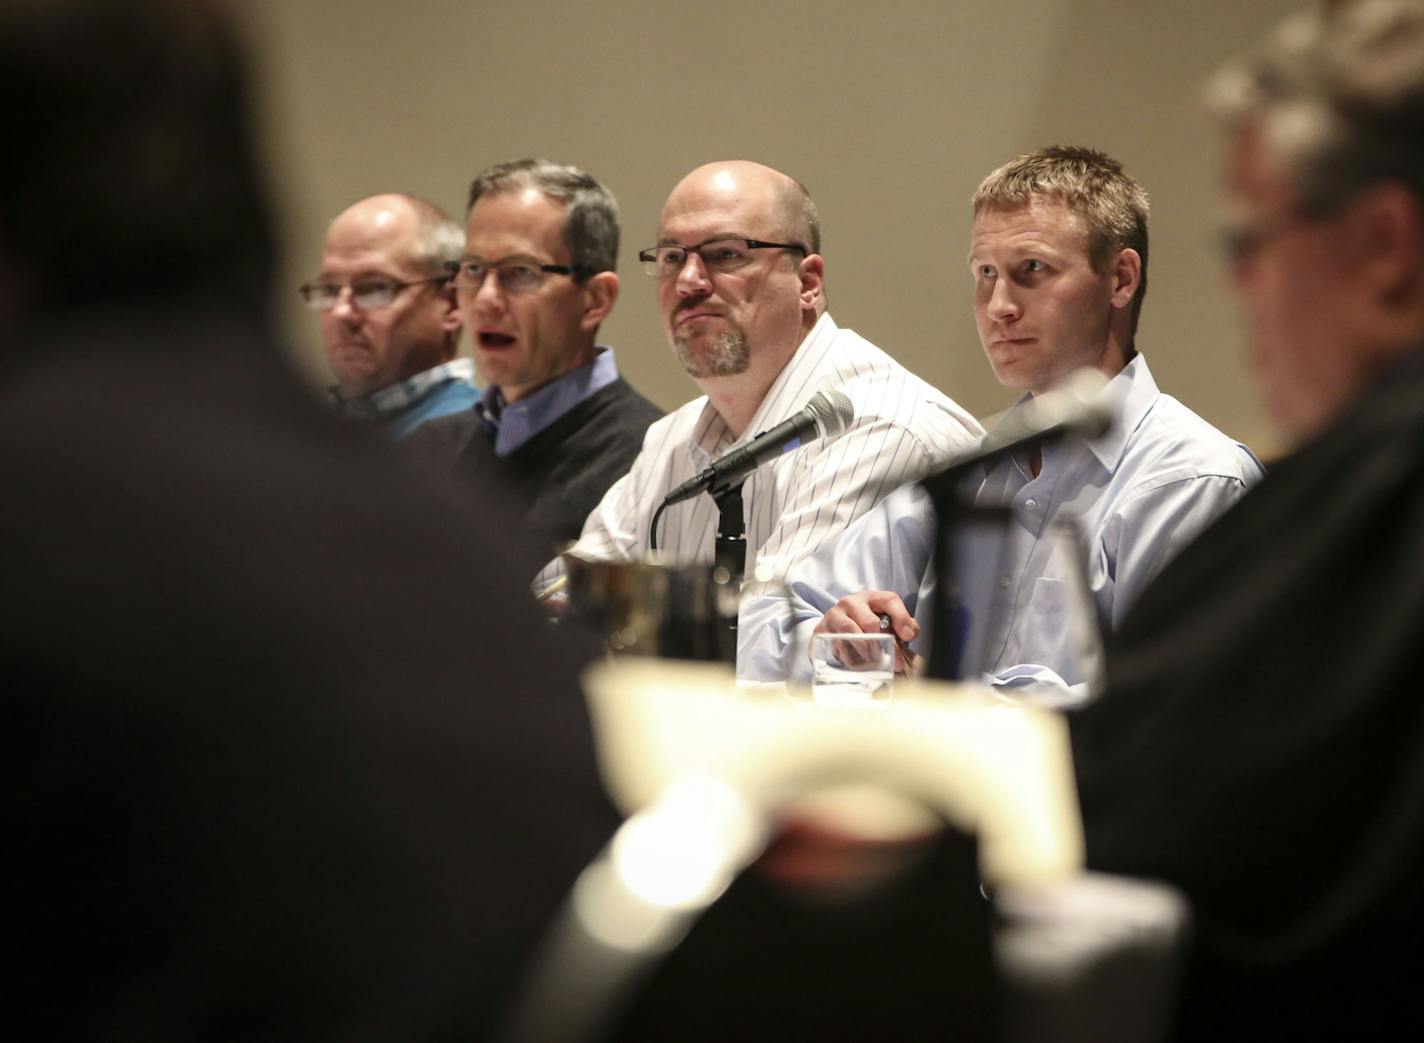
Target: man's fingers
x=887, y=603
x=867, y=613
x=859, y=611
x=850, y=653
x=906, y=662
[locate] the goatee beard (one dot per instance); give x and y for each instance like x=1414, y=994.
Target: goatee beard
x=727, y=356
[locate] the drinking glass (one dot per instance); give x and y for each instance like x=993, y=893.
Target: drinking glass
x=852, y=669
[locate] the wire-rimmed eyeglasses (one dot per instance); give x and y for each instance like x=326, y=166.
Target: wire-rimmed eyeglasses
x=366, y=294
x=515, y=276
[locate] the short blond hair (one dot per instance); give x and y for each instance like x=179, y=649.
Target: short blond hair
x=1112, y=205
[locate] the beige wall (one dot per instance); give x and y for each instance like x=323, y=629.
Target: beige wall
x=889, y=111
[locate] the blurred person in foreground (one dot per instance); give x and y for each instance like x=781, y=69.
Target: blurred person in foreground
x=1262, y=743
x=740, y=282
x=557, y=423
x=269, y=771
x=1058, y=259
x=387, y=311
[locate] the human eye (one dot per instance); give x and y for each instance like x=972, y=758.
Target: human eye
x=519, y=276
x=471, y=271
x=373, y=293
x=671, y=258
x=321, y=295
x=724, y=255
x=984, y=271
x=1033, y=266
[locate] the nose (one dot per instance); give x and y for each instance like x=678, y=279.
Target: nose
x=692, y=280
x=345, y=307
x=489, y=294
x=1002, y=305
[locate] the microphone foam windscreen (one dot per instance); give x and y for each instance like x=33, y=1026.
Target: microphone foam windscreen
x=832, y=410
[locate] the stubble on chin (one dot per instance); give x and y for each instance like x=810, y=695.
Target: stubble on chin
x=727, y=356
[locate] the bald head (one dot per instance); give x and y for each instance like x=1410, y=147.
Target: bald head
x=393, y=239
x=760, y=189
x=415, y=226
x=734, y=315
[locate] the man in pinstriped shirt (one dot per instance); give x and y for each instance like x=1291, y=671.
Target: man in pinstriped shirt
x=740, y=284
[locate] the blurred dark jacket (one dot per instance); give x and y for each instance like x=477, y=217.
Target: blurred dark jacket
x=290, y=753
x=1261, y=742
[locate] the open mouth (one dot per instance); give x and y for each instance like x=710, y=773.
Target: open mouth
x=495, y=341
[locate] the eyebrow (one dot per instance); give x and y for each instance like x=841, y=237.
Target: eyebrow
x=522, y=258
x=1035, y=249
x=368, y=275
x=668, y=240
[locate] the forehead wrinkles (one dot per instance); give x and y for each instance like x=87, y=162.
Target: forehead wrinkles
x=694, y=226
x=1048, y=230
x=751, y=210
x=367, y=263
x=393, y=254
x=501, y=245
x=506, y=225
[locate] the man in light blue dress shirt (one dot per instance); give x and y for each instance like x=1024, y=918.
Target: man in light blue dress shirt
x=389, y=324
x=1058, y=256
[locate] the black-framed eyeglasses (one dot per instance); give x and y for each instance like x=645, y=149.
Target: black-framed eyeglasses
x=514, y=276
x=366, y=294
x=718, y=255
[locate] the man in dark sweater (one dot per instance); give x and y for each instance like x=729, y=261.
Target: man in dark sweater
x=556, y=424
x=1261, y=744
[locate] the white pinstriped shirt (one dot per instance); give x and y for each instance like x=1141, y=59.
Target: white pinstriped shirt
x=903, y=429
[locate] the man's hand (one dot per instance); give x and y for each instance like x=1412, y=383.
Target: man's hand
x=862, y=613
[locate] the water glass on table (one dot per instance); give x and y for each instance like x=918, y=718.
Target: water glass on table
x=852, y=669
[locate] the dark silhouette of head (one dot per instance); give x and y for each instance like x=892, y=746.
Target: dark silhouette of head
x=129, y=172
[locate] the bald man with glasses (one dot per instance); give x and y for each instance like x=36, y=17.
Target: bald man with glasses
x=389, y=324
x=557, y=424
x=739, y=279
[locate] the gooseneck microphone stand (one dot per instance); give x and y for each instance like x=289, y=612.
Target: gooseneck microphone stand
x=731, y=545
x=730, y=559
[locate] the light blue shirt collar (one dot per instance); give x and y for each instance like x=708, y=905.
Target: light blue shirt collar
x=513, y=424
x=1128, y=395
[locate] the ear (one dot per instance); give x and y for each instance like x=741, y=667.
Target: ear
x=1385, y=230
x=450, y=317
x=812, y=271
x=1126, y=277
x=600, y=293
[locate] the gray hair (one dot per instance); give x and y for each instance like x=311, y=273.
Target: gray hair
x=591, y=221
x=800, y=213
x=1093, y=185
x=439, y=239
x=1338, y=98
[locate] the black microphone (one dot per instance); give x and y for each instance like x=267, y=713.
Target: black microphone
x=826, y=415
